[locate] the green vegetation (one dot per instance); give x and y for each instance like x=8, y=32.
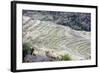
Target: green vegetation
x=66, y=57
x=26, y=49
x=26, y=46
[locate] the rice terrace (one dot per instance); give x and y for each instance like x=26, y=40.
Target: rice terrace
x=55, y=36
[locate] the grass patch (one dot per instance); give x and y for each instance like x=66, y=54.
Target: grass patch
x=66, y=57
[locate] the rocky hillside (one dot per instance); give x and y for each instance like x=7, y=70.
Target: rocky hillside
x=75, y=20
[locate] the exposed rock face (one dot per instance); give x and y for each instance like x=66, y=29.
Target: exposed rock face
x=57, y=40
x=37, y=58
x=75, y=20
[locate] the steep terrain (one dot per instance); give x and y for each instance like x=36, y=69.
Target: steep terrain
x=50, y=39
x=75, y=20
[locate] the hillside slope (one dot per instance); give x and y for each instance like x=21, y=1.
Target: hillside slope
x=56, y=39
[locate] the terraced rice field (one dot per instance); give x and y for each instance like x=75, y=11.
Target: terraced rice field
x=48, y=36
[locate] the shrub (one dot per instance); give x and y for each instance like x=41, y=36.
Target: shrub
x=66, y=57
x=26, y=49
